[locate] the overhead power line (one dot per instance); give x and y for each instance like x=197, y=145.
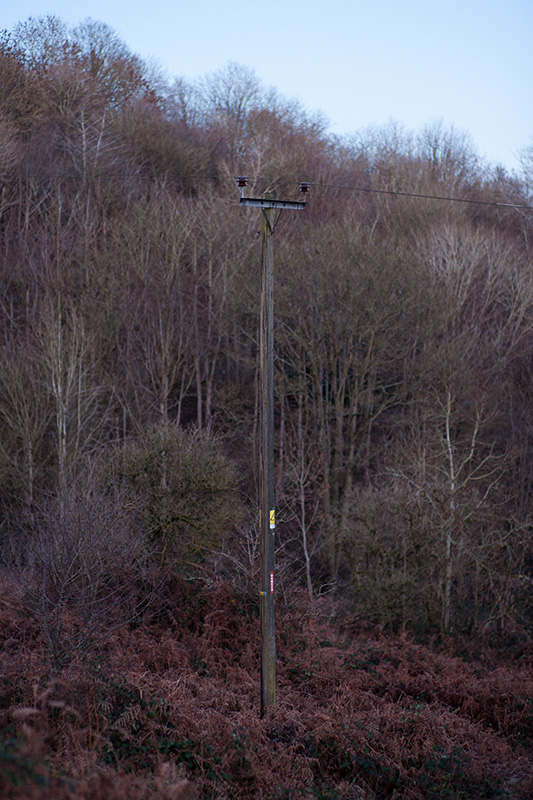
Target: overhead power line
x=398, y=193
x=428, y=196
x=192, y=179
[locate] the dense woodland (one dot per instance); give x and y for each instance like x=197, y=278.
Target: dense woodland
x=129, y=299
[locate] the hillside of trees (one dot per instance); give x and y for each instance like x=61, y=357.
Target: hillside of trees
x=129, y=305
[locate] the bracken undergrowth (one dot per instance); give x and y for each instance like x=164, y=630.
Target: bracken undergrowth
x=168, y=708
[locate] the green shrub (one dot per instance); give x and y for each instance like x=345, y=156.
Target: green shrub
x=185, y=488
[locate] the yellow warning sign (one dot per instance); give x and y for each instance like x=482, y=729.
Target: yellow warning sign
x=272, y=518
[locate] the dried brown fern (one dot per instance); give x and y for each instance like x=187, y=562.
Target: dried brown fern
x=170, y=709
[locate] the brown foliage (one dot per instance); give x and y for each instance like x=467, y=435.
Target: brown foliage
x=170, y=710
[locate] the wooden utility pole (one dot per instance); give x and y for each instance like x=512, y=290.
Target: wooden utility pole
x=266, y=462
x=266, y=450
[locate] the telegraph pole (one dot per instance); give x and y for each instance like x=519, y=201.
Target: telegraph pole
x=267, y=504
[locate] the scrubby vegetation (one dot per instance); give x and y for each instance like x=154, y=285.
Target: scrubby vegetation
x=128, y=433
x=168, y=708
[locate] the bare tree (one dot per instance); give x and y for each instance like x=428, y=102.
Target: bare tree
x=79, y=563
x=25, y=412
x=78, y=410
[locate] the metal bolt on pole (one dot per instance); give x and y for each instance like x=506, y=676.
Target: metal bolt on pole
x=266, y=458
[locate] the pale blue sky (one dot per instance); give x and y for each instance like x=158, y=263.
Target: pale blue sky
x=466, y=62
